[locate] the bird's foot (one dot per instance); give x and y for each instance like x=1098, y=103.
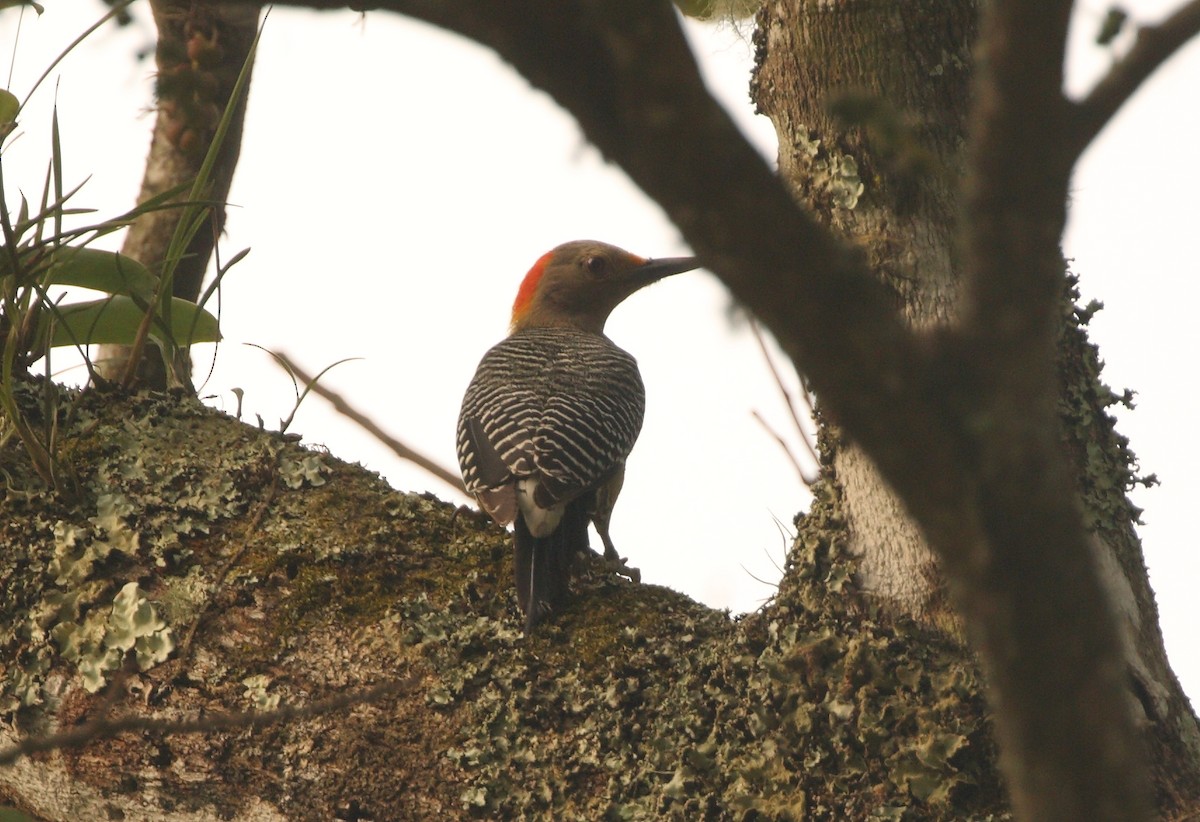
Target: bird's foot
x=610, y=562
x=617, y=565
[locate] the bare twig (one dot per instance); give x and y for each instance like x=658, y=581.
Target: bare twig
x=804, y=478
x=757, y=578
x=788, y=401
x=1153, y=47
x=344, y=408
x=104, y=728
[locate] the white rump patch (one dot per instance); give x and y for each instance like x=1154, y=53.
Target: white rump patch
x=540, y=521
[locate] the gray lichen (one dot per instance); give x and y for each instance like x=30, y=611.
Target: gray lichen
x=677, y=712
x=1108, y=467
x=634, y=703
x=831, y=176
x=99, y=642
x=144, y=493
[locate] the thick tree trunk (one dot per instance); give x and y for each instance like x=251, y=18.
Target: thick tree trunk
x=870, y=103
x=877, y=95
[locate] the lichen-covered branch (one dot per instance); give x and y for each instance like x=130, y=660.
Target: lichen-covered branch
x=105, y=727
x=636, y=703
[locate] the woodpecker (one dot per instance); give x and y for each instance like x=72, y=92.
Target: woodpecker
x=554, y=410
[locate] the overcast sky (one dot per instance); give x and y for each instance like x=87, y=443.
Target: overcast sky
x=396, y=182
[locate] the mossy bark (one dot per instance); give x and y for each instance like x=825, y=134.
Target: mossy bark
x=274, y=576
x=872, y=100
x=196, y=566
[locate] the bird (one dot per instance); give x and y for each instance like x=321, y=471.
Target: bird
x=553, y=411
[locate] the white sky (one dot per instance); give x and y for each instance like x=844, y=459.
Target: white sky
x=396, y=183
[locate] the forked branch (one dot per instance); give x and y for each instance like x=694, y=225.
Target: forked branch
x=1153, y=46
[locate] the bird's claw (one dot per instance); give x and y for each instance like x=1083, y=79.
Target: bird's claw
x=618, y=565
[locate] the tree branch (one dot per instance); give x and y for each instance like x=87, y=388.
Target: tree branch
x=346, y=409
x=1153, y=47
x=1030, y=592
x=105, y=727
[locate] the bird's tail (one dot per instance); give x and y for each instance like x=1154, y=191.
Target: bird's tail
x=543, y=564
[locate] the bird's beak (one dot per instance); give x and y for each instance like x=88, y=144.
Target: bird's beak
x=653, y=270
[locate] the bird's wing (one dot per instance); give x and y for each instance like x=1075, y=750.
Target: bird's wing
x=587, y=430
x=559, y=405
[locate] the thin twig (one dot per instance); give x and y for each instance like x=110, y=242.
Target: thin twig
x=105, y=728
x=757, y=578
x=804, y=478
x=1153, y=46
x=787, y=398
x=344, y=408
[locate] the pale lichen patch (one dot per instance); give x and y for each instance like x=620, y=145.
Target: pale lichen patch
x=633, y=703
x=143, y=492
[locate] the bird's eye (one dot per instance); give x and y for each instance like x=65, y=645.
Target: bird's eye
x=596, y=266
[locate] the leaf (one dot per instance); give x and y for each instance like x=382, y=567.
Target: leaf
x=9, y=106
x=116, y=320
x=105, y=271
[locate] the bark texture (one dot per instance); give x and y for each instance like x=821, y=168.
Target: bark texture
x=870, y=106
x=201, y=49
x=876, y=97
x=937, y=331
x=207, y=567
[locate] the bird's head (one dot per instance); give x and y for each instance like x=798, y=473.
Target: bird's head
x=578, y=284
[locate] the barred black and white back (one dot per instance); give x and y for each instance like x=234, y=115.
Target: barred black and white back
x=558, y=406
